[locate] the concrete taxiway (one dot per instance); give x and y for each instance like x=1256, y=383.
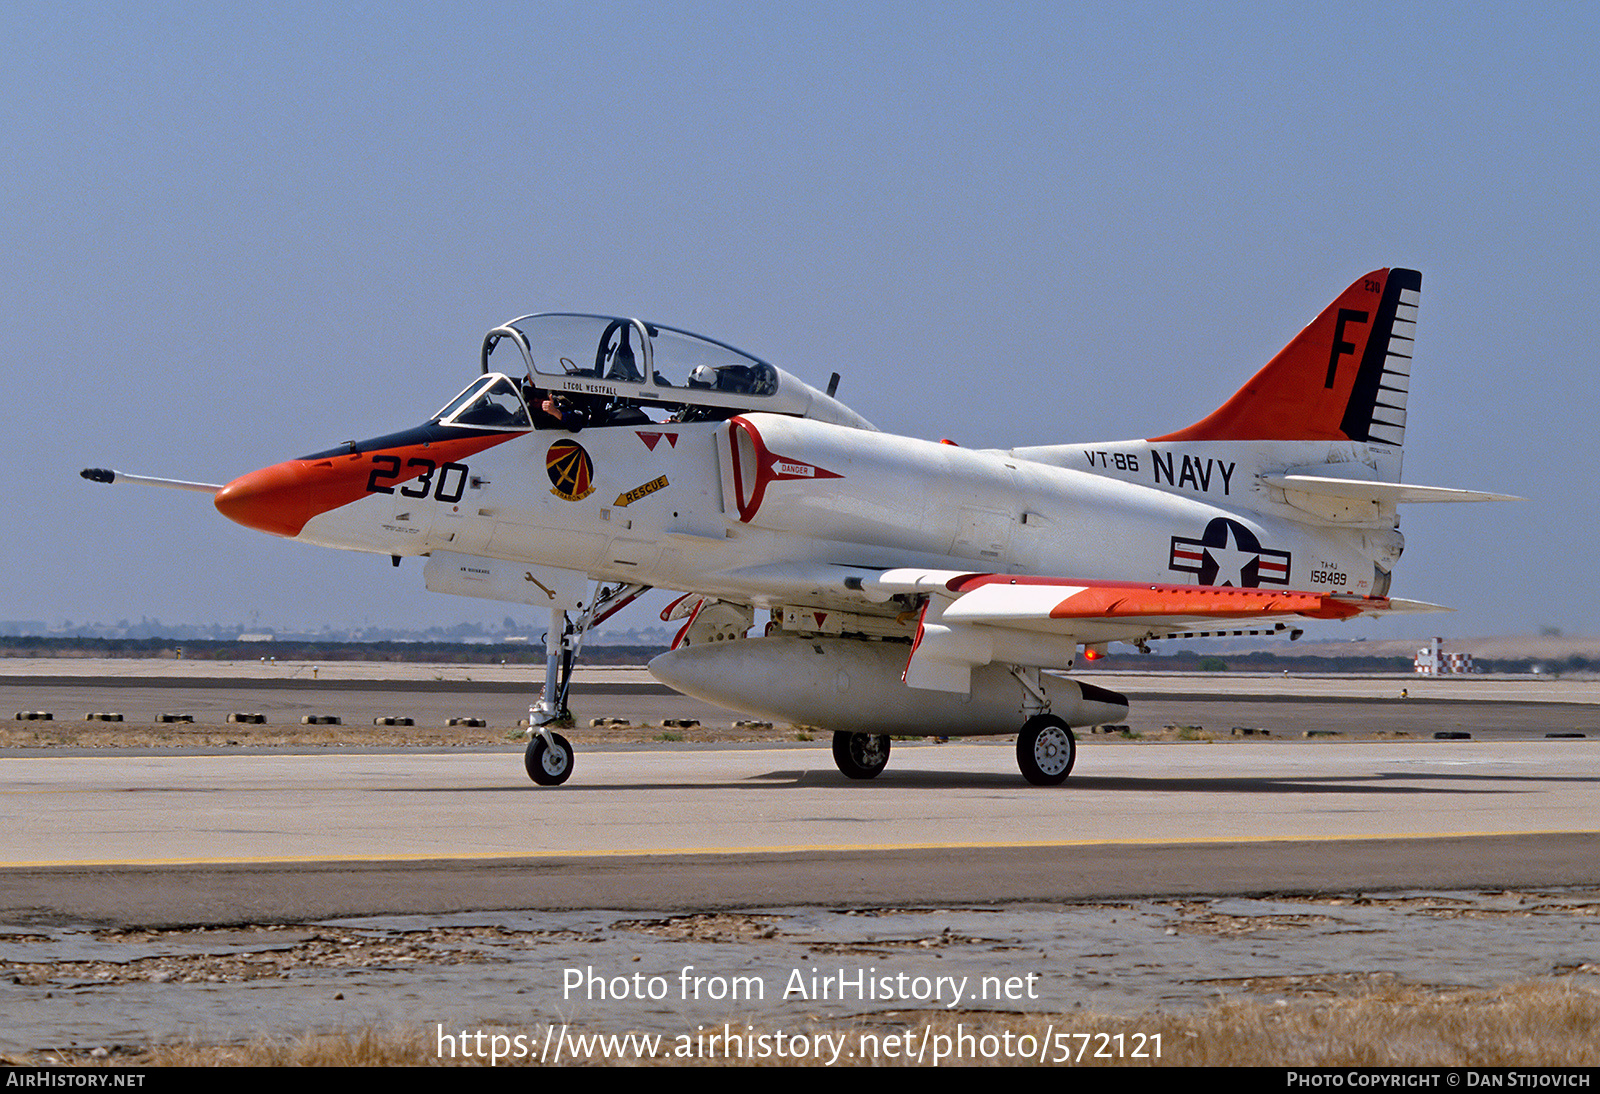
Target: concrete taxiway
x=416, y=829
x=224, y=837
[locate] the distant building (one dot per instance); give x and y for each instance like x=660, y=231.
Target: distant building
x=1432, y=660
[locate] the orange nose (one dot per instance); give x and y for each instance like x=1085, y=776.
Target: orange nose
x=281, y=498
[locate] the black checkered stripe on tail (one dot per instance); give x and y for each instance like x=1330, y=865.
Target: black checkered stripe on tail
x=1376, y=411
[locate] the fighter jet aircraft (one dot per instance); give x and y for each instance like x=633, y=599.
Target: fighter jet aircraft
x=869, y=584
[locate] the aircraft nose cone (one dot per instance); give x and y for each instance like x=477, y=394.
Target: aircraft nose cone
x=277, y=499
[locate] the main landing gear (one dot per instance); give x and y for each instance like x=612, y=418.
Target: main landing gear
x=549, y=755
x=1046, y=750
x=1046, y=747
x=860, y=755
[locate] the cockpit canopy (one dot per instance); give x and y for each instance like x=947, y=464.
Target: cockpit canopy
x=491, y=402
x=627, y=369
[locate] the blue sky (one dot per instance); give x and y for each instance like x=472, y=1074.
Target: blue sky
x=238, y=234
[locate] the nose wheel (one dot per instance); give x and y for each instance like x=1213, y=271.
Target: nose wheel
x=1046, y=750
x=549, y=764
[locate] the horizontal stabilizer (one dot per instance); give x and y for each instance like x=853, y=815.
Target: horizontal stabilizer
x=1390, y=493
x=1415, y=607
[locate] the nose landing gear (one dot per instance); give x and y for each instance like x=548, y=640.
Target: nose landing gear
x=549, y=763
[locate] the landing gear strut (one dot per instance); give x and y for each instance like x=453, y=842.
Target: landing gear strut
x=549, y=756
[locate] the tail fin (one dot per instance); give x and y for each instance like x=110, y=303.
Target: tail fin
x=1344, y=377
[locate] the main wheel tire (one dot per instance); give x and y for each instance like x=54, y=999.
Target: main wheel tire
x=549, y=766
x=860, y=755
x=1046, y=750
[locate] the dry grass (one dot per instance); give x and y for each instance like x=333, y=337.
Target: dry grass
x=1543, y=1023
x=1548, y=1023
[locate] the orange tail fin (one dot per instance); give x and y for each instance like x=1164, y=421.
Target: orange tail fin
x=1344, y=377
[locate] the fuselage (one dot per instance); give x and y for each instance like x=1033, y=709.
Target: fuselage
x=698, y=505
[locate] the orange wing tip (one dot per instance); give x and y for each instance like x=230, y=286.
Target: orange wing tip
x=1110, y=602
x=1091, y=599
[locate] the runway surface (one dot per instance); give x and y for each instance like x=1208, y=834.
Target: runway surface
x=236, y=837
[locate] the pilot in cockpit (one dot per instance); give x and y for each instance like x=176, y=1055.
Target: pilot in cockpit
x=736, y=379
x=551, y=409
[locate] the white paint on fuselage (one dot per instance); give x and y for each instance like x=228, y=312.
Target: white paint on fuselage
x=896, y=502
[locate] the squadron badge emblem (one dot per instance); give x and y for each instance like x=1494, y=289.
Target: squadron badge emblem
x=570, y=469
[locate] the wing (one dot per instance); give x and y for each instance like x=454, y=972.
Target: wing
x=972, y=619
x=1042, y=620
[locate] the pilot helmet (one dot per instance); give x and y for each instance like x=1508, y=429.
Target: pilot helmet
x=703, y=376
